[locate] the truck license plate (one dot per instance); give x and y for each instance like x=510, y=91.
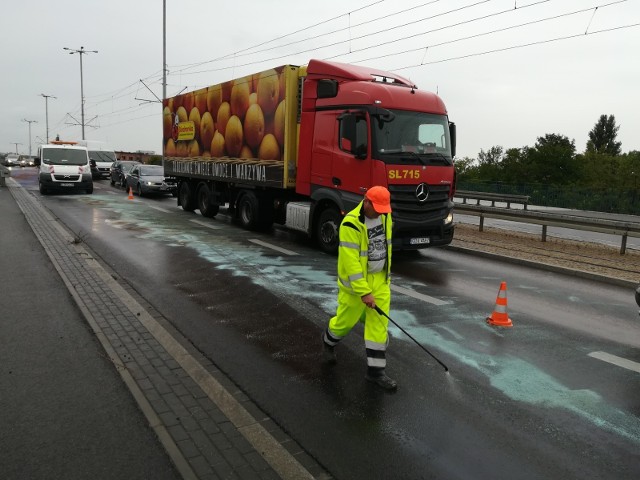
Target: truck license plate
x=66, y=184
x=419, y=241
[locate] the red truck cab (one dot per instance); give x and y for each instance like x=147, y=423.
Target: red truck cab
x=361, y=127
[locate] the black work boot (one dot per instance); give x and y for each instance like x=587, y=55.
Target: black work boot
x=381, y=379
x=328, y=353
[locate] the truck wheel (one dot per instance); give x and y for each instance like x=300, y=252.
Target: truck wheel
x=42, y=189
x=185, y=197
x=327, y=230
x=248, y=211
x=203, y=198
x=90, y=190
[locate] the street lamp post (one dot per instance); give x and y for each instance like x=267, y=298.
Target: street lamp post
x=81, y=52
x=46, y=110
x=29, y=122
x=16, y=144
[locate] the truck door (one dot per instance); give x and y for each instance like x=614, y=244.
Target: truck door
x=351, y=167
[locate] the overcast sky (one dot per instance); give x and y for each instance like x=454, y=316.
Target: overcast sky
x=509, y=71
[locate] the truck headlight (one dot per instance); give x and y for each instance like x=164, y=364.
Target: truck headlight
x=449, y=218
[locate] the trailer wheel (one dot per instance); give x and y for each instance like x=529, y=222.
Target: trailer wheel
x=204, y=205
x=249, y=211
x=327, y=230
x=185, y=197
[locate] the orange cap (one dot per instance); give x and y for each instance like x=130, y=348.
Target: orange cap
x=380, y=198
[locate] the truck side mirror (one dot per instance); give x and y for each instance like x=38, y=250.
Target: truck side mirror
x=327, y=88
x=452, y=135
x=36, y=161
x=361, y=152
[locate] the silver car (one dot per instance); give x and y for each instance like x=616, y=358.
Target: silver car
x=150, y=179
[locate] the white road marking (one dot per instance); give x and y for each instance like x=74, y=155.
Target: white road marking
x=273, y=247
x=204, y=224
x=615, y=360
x=419, y=296
x=159, y=209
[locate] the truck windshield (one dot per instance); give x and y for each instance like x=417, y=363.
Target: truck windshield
x=64, y=156
x=413, y=137
x=102, y=156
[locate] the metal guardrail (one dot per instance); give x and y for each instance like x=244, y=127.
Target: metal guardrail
x=547, y=219
x=493, y=198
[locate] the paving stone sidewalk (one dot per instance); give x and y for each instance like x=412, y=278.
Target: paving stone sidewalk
x=209, y=428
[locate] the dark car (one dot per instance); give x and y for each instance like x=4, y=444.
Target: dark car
x=119, y=170
x=150, y=179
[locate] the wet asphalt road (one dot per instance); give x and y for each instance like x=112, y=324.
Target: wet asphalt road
x=526, y=402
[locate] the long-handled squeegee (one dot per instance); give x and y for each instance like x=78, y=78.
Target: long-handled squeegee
x=379, y=310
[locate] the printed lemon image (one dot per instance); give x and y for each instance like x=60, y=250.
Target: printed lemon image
x=240, y=118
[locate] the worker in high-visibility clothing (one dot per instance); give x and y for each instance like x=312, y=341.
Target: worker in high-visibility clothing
x=364, y=269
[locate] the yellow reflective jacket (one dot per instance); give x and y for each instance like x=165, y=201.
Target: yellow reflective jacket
x=353, y=252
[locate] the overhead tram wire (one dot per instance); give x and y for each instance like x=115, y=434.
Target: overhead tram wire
x=439, y=29
x=332, y=32
x=231, y=55
x=184, y=72
x=448, y=42
x=514, y=47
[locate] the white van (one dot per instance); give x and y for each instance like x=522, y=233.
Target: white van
x=64, y=166
x=101, y=156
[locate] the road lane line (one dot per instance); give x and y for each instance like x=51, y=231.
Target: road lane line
x=159, y=209
x=615, y=360
x=273, y=247
x=419, y=296
x=205, y=224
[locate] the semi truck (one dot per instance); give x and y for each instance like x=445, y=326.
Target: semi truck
x=299, y=146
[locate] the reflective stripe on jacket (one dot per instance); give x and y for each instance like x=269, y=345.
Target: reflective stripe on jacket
x=353, y=252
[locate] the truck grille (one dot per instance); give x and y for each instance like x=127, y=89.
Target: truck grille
x=406, y=206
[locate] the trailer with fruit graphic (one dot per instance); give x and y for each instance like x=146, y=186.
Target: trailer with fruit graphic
x=300, y=145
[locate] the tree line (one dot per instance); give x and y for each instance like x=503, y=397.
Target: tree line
x=602, y=178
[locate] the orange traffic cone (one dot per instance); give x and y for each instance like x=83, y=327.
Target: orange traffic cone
x=130, y=193
x=499, y=317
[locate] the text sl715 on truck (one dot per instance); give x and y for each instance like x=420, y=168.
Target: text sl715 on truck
x=300, y=145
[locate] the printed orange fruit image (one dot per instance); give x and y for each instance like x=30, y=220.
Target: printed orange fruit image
x=278, y=123
x=201, y=100
x=254, y=126
x=182, y=114
x=182, y=149
x=217, y=145
x=246, y=152
x=170, y=148
x=268, y=92
x=167, y=123
x=240, y=97
x=233, y=136
x=194, y=116
x=226, y=91
x=224, y=112
x=207, y=129
x=193, y=149
x=214, y=99
x=188, y=101
x=269, y=148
